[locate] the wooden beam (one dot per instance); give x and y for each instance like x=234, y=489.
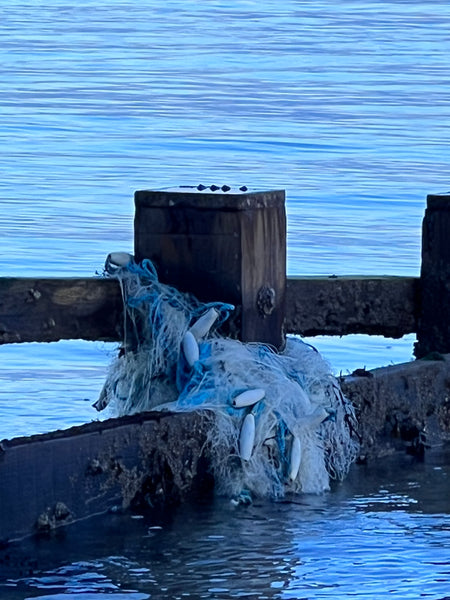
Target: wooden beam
x=402, y=406
x=433, y=332
x=342, y=305
x=151, y=459
x=48, y=310
x=48, y=480
x=220, y=245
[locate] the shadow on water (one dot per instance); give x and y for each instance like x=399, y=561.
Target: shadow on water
x=385, y=529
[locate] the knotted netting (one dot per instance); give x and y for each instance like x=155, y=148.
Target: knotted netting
x=278, y=421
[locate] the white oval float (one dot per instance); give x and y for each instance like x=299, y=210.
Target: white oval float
x=248, y=398
x=295, y=458
x=118, y=259
x=247, y=437
x=203, y=324
x=190, y=348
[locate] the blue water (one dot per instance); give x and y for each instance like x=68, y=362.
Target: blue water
x=345, y=105
x=383, y=533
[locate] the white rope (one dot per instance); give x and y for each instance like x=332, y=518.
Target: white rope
x=279, y=420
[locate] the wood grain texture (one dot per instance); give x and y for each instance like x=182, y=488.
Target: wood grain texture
x=385, y=306
x=57, y=478
x=220, y=247
x=46, y=310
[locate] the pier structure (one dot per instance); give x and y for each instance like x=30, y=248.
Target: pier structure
x=226, y=245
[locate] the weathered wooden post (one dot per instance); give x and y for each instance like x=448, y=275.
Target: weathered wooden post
x=220, y=244
x=433, y=332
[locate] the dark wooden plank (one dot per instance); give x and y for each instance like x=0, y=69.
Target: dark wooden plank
x=401, y=407
x=153, y=459
x=263, y=275
x=434, y=323
x=220, y=246
x=47, y=310
x=343, y=305
x=222, y=198
x=53, y=479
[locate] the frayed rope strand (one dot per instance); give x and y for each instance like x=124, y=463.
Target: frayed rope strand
x=281, y=423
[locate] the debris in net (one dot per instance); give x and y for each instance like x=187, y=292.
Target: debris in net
x=279, y=421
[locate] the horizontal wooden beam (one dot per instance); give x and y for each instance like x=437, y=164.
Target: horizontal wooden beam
x=47, y=310
x=56, y=478
x=387, y=306
x=152, y=459
x=401, y=407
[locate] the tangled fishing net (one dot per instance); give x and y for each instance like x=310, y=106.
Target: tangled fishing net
x=279, y=421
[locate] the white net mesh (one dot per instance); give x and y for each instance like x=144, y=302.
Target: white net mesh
x=279, y=421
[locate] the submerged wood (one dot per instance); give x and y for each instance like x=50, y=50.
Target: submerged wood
x=154, y=459
x=49, y=480
x=51, y=309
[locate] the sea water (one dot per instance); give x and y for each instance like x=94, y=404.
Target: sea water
x=384, y=532
x=344, y=105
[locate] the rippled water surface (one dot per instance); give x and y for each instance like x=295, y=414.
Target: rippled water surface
x=346, y=106
x=383, y=533
x=343, y=105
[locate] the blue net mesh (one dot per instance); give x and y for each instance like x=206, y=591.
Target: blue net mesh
x=279, y=421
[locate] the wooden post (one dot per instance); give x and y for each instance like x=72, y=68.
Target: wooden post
x=433, y=332
x=220, y=244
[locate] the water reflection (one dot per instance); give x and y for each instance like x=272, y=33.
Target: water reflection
x=383, y=531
